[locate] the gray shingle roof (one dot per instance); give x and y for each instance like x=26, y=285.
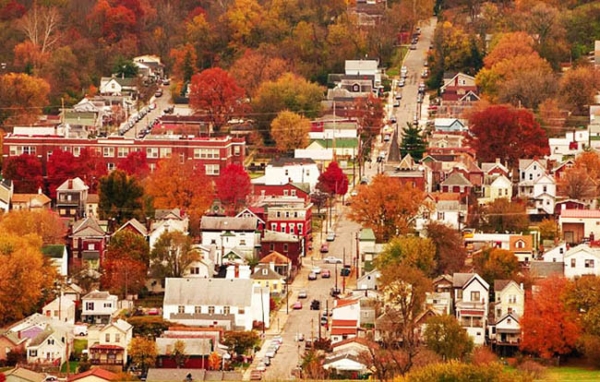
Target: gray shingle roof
x=220, y=223
x=198, y=292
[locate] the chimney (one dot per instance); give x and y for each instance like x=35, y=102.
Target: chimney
x=497, y=160
x=70, y=184
x=39, y=190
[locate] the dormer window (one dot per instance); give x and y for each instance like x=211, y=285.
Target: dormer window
x=520, y=244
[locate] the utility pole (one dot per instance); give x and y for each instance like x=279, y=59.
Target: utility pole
x=344, y=277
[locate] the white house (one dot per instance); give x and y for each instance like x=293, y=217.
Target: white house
x=471, y=301
x=290, y=170
x=573, y=143
x=543, y=196
x=117, y=86
x=498, y=187
x=555, y=254
x=578, y=224
x=458, y=79
x=225, y=234
x=529, y=172
x=61, y=309
x=180, y=223
x=509, y=298
x=98, y=307
x=108, y=344
x=334, y=128
x=6, y=193
x=449, y=125
x=582, y=260
x=50, y=347
x=364, y=67
x=233, y=304
x=506, y=331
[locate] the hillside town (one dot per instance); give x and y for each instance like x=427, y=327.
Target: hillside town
x=393, y=191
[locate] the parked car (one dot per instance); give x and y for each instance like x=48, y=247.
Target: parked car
x=312, y=276
x=333, y=259
x=297, y=305
x=158, y=93
x=326, y=274
x=396, y=103
x=401, y=83
x=270, y=352
x=261, y=366
x=316, y=269
x=153, y=312
x=266, y=361
x=335, y=292
x=255, y=375
x=80, y=329
x=324, y=248
x=398, y=96
x=324, y=320
x=277, y=339
x=315, y=305
x=303, y=294
x=300, y=337
x=413, y=47
x=331, y=236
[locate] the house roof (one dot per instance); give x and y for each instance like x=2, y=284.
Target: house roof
x=264, y=272
x=489, y=166
x=345, y=302
x=170, y=375
x=41, y=337
x=499, y=285
x=219, y=292
x=582, y=248
x=221, y=223
x=89, y=227
x=363, y=342
x=461, y=280
x=457, y=179
x=443, y=278
x=13, y=337
x=525, y=163
x=74, y=184
x=97, y=372
x=282, y=162
x=275, y=258
x=366, y=234
x=97, y=295
x=22, y=374
x=344, y=323
x=195, y=346
x=122, y=325
x=343, y=330
x=577, y=213
x=33, y=199
x=173, y=213
x=136, y=225
x=283, y=237
x=93, y=199
x=543, y=269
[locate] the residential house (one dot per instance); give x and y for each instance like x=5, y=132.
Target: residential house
x=117, y=86
x=545, y=269
x=345, y=319
x=329, y=150
x=265, y=276
x=149, y=66
x=295, y=170
x=10, y=342
x=522, y=247
x=572, y=204
x=108, y=344
x=204, y=267
x=51, y=347
x=579, y=225
x=21, y=374
x=91, y=205
x=443, y=284
x=553, y=253
x=133, y=225
x=186, y=375
x=364, y=68
x=495, y=188
x=505, y=334
x=30, y=202
x=494, y=169
x=537, y=186
x=369, y=281
x=234, y=304
x=439, y=302
x=289, y=215
x=346, y=366
x=98, y=307
x=6, y=194
x=471, y=302
x=368, y=250
x=58, y=256
x=165, y=221
x=459, y=87
x=88, y=241
x=449, y=125
x=509, y=297
x=572, y=144
x=199, y=344
x=71, y=197
x=95, y=374
x=228, y=233
x=561, y=167
x=300, y=190
x=61, y=309
x=582, y=260
x=456, y=182
x=280, y=263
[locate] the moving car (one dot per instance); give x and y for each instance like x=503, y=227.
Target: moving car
x=297, y=305
x=303, y=294
x=326, y=273
x=331, y=236
x=332, y=259
x=312, y=276
x=315, y=305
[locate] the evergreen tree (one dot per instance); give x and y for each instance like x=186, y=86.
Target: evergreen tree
x=413, y=142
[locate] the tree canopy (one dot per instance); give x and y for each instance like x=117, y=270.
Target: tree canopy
x=233, y=187
x=120, y=197
x=171, y=255
x=290, y=131
x=333, y=181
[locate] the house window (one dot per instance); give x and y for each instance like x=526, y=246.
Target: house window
x=520, y=244
x=589, y=263
x=512, y=299
x=293, y=192
x=152, y=152
x=50, y=341
x=285, y=192
x=28, y=150
x=122, y=152
x=287, y=172
x=307, y=172
x=459, y=294
x=241, y=311
x=292, y=228
x=300, y=229
x=108, y=304
x=283, y=226
x=107, y=337
x=110, y=167
x=76, y=151
x=91, y=247
x=242, y=241
x=226, y=310
x=530, y=176
x=440, y=216
x=165, y=152
x=108, y=152
x=197, y=309
x=89, y=306
x=33, y=353
x=475, y=296
x=181, y=309
x=195, y=270
x=211, y=310
x=273, y=226
x=272, y=247
x=545, y=188
x=212, y=169
x=236, y=150
x=573, y=263
x=285, y=247
x=117, y=337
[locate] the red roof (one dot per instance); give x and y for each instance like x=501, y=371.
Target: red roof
x=97, y=372
x=344, y=323
x=340, y=303
x=577, y=213
x=106, y=347
x=468, y=312
x=342, y=331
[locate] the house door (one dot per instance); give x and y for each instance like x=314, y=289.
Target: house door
x=503, y=337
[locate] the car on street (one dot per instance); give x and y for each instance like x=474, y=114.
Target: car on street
x=324, y=320
x=261, y=366
x=404, y=70
x=327, y=312
x=324, y=248
x=401, y=83
x=312, y=276
x=266, y=361
x=315, y=305
x=300, y=337
x=316, y=269
x=158, y=93
x=326, y=274
x=277, y=339
x=332, y=259
x=335, y=292
x=396, y=103
x=413, y=47
x=331, y=236
x=297, y=305
x=303, y=294
x=271, y=351
x=255, y=375
x=398, y=96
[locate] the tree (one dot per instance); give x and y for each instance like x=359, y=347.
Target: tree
x=135, y=165
x=214, y=361
x=143, y=352
x=214, y=93
x=26, y=173
x=549, y=229
x=60, y=167
x=369, y=113
x=120, y=197
x=242, y=19
x=576, y=183
x=22, y=98
x=178, y=353
x=578, y=87
x=172, y=254
x=233, y=187
x=413, y=142
x=496, y=264
x=549, y=326
x=416, y=252
x=46, y=224
x=24, y=275
x=458, y=371
x=92, y=167
x=124, y=68
x=445, y=336
x=257, y=66
x=333, y=180
x=41, y=26
x=176, y=185
x=507, y=133
x=290, y=131
x=502, y=215
x=450, y=252
x=184, y=62
x=386, y=206
x=125, y=264
x=240, y=341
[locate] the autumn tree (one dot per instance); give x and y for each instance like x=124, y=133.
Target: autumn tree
x=582, y=296
x=333, y=181
x=25, y=171
x=216, y=95
x=290, y=131
x=178, y=354
x=504, y=132
x=92, y=167
x=255, y=67
x=450, y=252
x=445, y=336
x=240, y=341
x=415, y=252
x=61, y=166
x=413, y=142
x=184, y=186
x=496, y=264
x=549, y=229
x=549, y=325
x=578, y=87
x=233, y=187
x=369, y=113
x=184, y=62
x=120, y=197
x=45, y=224
x=143, y=352
x=24, y=275
x=22, y=98
x=502, y=215
x=576, y=183
x=242, y=20
x=135, y=165
x=125, y=264
x=387, y=206
x=171, y=255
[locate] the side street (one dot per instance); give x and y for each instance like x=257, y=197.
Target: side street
x=259, y=190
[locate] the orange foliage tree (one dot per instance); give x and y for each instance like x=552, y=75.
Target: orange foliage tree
x=549, y=326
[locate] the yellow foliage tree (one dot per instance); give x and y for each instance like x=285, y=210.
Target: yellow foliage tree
x=45, y=223
x=290, y=131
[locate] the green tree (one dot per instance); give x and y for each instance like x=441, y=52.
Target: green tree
x=445, y=336
x=143, y=352
x=412, y=251
x=120, y=197
x=413, y=142
x=240, y=341
x=124, y=67
x=171, y=255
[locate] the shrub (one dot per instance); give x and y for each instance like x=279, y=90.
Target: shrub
x=483, y=356
x=532, y=369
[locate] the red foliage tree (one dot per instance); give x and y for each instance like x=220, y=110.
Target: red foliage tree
x=216, y=94
x=501, y=131
x=12, y=10
x=233, y=186
x=92, y=167
x=549, y=326
x=25, y=171
x=333, y=180
x=369, y=113
x=60, y=167
x=117, y=22
x=135, y=165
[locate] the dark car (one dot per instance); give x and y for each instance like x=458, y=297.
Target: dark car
x=315, y=305
x=335, y=292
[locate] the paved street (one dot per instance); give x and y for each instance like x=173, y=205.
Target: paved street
x=161, y=102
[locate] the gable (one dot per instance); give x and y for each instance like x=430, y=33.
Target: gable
x=476, y=283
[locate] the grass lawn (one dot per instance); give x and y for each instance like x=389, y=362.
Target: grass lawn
x=73, y=367
x=571, y=373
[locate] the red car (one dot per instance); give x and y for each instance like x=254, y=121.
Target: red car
x=326, y=273
x=324, y=248
x=297, y=305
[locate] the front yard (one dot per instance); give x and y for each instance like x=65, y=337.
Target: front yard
x=571, y=373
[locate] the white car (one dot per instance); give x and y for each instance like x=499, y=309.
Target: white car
x=316, y=270
x=331, y=236
x=332, y=260
x=261, y=366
